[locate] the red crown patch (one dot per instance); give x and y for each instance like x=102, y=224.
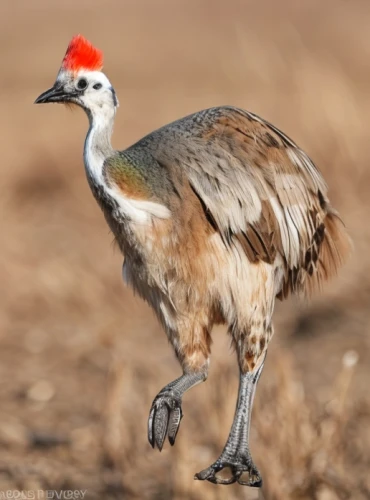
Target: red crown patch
x=81, y=54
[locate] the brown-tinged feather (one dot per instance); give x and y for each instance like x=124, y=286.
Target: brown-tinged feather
x=259, y=190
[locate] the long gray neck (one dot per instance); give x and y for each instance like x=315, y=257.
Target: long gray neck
x=98, y=145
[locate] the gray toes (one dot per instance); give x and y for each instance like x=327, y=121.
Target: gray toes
x=174, y=424
x=164, y=419
x=210, y=474
x=160, y=425
x=237, y=470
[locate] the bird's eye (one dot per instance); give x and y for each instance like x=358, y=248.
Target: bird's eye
x=97, y=86
x=82, y=84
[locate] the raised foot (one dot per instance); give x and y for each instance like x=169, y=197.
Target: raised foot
x=164, y=418
x=237, y=468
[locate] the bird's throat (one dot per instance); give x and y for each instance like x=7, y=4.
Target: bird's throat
x=98, y=145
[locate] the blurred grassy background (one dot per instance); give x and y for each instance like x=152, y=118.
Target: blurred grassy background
x=81, y=359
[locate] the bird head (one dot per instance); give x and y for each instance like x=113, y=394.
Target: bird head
x=80, y=80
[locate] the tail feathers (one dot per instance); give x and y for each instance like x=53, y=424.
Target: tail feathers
x=331, y=246
x=332, y=253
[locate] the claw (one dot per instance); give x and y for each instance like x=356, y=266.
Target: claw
x=150, y=427
x=164, y=419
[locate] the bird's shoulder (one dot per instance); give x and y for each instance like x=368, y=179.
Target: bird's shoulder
x=136, y=172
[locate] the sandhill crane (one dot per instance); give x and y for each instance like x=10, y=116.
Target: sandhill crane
x=216, y=214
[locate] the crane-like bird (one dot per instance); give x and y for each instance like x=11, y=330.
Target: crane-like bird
x=217, y=214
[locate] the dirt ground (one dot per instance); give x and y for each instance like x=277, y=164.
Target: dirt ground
x=80, y=357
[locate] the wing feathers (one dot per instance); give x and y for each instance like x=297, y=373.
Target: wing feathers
x=258, y=189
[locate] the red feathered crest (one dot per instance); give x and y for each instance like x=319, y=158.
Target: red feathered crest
x=81, y=54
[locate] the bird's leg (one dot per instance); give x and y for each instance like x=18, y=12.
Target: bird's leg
x=192, y=347
x=166, y=413
x=236, y=454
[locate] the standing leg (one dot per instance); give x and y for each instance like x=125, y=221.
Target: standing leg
x=236, y=454
x=193, y=350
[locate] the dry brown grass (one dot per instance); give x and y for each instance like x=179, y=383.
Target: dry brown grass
x=300, y=445
x=80, y=358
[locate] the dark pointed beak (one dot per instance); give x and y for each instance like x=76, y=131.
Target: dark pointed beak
x=55, y=94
